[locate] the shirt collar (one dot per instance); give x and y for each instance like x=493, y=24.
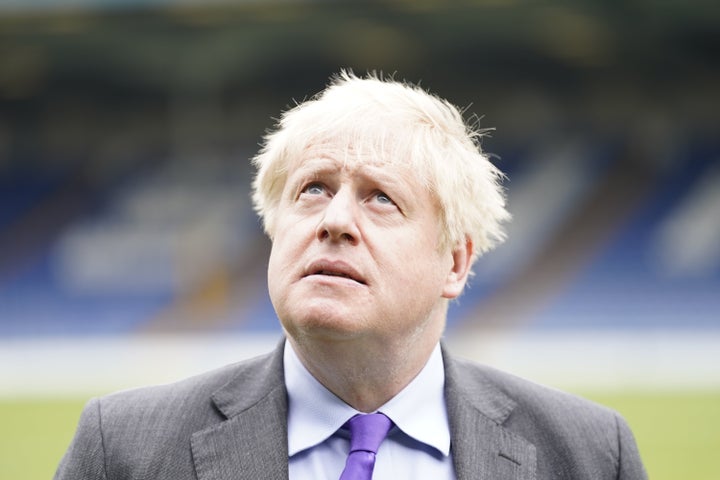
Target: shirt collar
x=315, y=413
x=419, y=409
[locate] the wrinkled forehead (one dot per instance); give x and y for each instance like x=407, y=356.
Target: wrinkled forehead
x=378, y=153
x=346, y=154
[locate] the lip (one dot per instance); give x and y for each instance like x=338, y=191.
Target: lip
x=334, y=268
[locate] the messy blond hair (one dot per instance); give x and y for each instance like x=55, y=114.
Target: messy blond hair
x=397, y=123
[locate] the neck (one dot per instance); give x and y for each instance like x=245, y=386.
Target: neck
x=365, y=375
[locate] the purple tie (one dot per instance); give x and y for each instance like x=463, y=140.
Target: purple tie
x=366, y=434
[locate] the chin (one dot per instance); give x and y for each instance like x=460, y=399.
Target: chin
x=323, y=324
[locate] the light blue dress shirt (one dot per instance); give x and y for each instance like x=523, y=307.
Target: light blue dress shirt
x=417, y=447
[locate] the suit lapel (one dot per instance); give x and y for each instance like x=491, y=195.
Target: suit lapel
x=252, y=442
x=482, y=447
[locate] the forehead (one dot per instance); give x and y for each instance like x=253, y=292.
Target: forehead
x=335, y=157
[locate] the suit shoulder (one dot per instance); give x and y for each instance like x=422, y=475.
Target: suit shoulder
x=574, y=437
x=146, y=432
x=529, y=395
x=189, y=393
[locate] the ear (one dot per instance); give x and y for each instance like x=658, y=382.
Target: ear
x=462, y=255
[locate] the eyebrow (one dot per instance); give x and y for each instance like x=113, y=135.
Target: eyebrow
x=319, y=161
x=312, y=168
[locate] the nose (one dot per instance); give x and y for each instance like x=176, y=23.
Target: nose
x=339, y=220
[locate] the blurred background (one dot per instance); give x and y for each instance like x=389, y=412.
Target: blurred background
x=130, y=254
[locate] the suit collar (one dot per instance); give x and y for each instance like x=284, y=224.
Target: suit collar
x=252, y=383
x=252, y=442
x=482, y=447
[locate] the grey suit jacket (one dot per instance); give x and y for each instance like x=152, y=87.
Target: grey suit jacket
x=231, y=424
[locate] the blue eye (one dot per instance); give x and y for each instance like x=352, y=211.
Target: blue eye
x=383, y=198
x=314, y=189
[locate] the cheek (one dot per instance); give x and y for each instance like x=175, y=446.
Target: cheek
x=273, y=277
x=280, y=256
x=428, y=269
x=415, y=265
x=279, y=262
x=288, y=252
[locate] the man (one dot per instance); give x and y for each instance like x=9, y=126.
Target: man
x=378, y=200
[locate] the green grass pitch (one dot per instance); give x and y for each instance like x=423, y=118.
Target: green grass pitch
x=678, y=433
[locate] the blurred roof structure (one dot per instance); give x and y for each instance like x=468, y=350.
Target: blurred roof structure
x=609, y=62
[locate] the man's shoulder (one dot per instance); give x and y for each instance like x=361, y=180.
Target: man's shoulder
x=572, y=436
x=194, y=393
x=146, y=432
x=527, y=404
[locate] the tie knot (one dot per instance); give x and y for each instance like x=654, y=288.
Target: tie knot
x=367, y=431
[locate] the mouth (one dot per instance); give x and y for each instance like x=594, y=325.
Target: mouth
x=334, y=269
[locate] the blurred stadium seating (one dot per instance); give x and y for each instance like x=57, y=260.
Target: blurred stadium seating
x=599, y=250
x=125, y=135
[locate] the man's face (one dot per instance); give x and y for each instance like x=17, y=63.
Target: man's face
x=356, y=252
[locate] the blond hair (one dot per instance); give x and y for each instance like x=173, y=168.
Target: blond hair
x=397, y=123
